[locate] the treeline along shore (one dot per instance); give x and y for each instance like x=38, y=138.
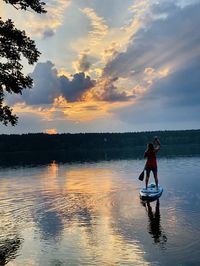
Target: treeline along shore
x=43, y=148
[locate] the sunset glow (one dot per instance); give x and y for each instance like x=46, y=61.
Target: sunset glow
x=51, y=131
x=97, y=66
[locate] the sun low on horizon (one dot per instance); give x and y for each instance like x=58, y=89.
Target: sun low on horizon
x=109, y=66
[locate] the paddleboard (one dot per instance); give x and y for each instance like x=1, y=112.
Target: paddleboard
x=151, y=193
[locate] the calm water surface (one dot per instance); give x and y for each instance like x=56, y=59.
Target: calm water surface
x=91, y=214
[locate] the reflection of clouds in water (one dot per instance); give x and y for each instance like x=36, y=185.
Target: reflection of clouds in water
x=108, y=242
x=79, y=208
x=82, y=206
x=49, y=223
x=66, y=215
x=45, y=215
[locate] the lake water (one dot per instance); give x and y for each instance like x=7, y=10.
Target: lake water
x=91, y=214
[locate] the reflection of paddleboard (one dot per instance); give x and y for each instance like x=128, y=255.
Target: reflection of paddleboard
x=151, y=193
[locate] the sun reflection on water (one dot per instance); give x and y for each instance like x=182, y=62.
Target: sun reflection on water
x=90, y=214
x=77, y=209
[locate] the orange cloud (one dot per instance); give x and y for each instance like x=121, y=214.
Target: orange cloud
x=82, y=111
x=98, y=24
x=104, y=42
x=61, y=110
x=152, y=74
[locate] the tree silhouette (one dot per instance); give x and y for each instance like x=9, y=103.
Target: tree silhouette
x=14, y=44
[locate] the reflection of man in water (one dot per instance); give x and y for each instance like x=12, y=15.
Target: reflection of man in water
x=154, y=223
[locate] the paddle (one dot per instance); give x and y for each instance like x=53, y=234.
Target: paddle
x=141, y=176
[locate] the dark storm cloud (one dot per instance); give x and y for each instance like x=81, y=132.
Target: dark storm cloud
x=73, y=89
x=48, y=85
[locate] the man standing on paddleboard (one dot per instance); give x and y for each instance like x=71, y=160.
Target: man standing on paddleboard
x=151, y=164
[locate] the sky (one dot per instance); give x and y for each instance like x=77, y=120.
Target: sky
x=110, y=66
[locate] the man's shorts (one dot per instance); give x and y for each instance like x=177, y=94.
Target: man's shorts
x=153, y=169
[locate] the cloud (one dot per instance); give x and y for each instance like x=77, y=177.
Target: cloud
x=91, y=108
x=88, y=47
x=106, y=90
x=165, y=8
x=102, y=41
x=181, y=88
x=49, y=85
x=73, y=89
x=44, y=26
x=171, y=102
x=83, y=64
x=166, y=42
x=163, y=60
x=152, y=49
x=48, y=33
x=38, y=25
x=55, y=100
x=46, y=85
x=99, y=27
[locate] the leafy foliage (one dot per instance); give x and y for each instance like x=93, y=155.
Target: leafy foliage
x=33, y=149
x=36, y=5
x=14, y=44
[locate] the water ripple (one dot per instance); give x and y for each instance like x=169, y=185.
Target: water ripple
x=91, y=214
